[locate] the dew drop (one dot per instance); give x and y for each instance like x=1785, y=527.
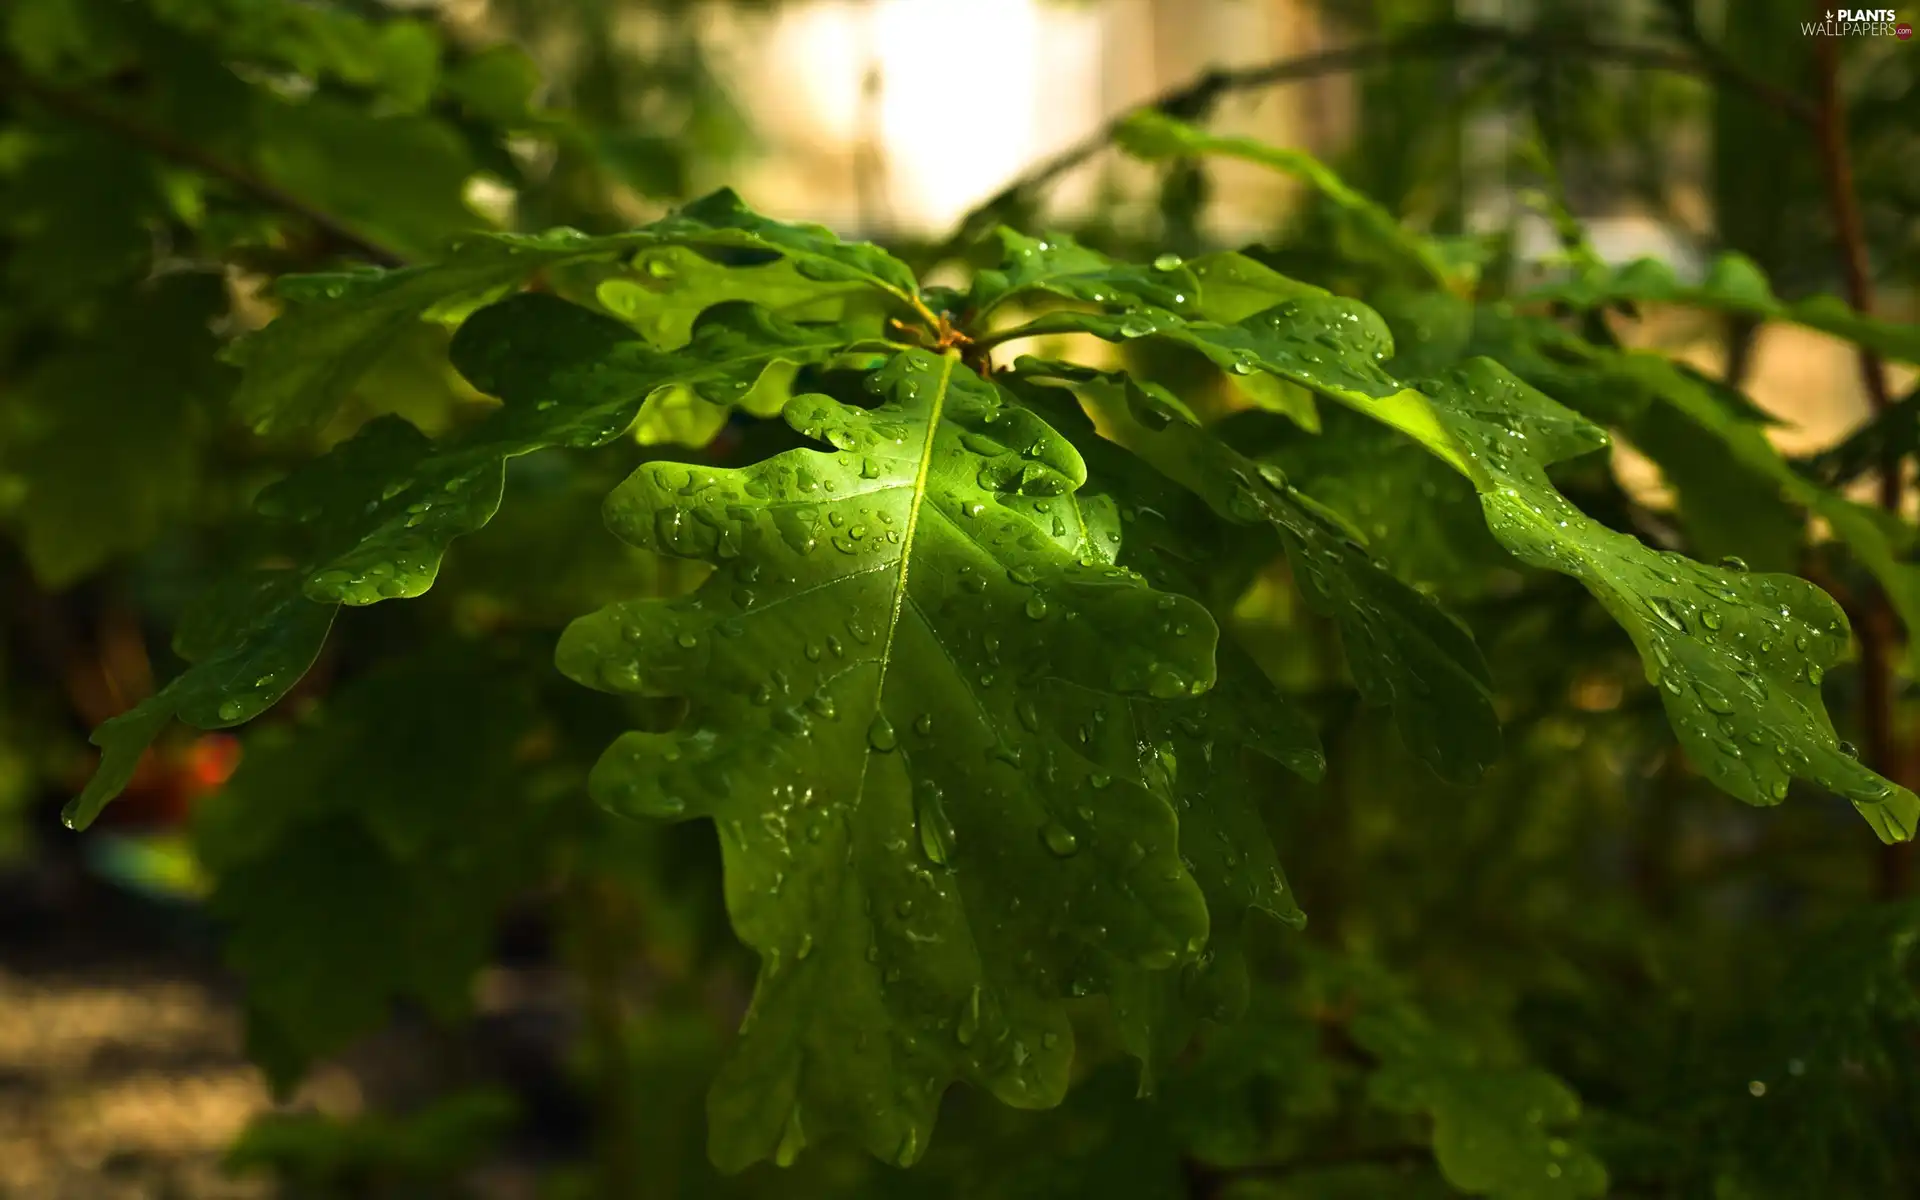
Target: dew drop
x=1668, y=611
x=1714, y=700
x=1059, y=840
x=1029, y=715
x=968, y=1027
x=935, y=829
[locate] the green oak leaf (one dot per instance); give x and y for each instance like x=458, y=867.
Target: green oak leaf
x=299, y=366
x=1733, y=284
x=1403, y=650
x=664, y=289
x=721, y=218
x=1493, y=1127
x=272, y=635
x=1328, y=344
x=1234, y=287
x=1420, y=518
x=1882, y=544
x=406, y=803
x=569, y=377
x=107, y=434
x=378, y=512
x=1738, y=657
x=1677, y=417
x=1740, y=512
x=1056, y=263
x=1195, y=751
x=886, y=679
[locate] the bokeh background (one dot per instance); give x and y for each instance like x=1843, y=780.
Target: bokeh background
x=161, y=159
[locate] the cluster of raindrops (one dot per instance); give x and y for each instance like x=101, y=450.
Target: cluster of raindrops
x=258, y=696
x=1058, y=264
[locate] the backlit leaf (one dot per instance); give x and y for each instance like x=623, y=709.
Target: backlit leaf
x=299, y=367
x=1733, y=284
x=896, y=683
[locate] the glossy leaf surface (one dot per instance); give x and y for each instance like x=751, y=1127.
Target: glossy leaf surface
x=897, y=684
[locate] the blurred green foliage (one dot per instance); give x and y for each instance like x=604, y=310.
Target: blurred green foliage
x=1584, y=970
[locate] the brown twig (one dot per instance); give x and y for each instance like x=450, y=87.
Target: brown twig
x=1877, y=628
x=90, y=111
x=1198, y=96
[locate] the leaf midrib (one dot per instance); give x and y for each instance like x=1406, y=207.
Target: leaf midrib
x=921, y=471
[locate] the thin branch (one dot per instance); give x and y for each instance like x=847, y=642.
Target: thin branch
x=1197, y=97
x=1877, y=629
x=90, y=111
x=1206, y=1182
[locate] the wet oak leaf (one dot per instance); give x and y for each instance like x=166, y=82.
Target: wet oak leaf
x=884, y=680
x=300, y=366
x=1403, y=650
x=663, y=290
x=373, y=519
x=1057, y=264
x=1738, y=657
x=1196, y=751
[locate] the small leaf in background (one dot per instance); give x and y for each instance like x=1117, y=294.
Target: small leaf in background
x=1153, y=135
x=1496, y=1130
x=108, y=437
x=408, y=804
x=1733, y=284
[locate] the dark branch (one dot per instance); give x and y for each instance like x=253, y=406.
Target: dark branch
x=1877, y=629
x=1206, y=1182
x=1196, y=98
x=90, y=111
